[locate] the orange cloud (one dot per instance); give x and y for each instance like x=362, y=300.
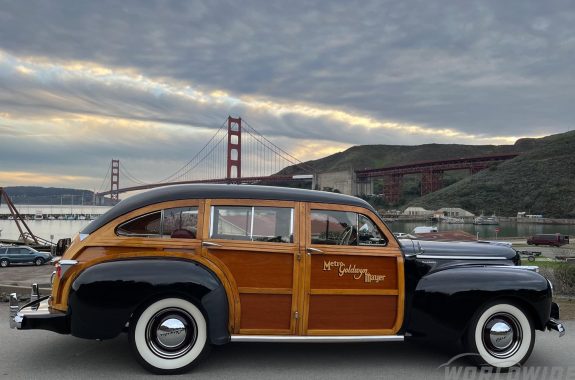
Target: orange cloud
x=20, y=178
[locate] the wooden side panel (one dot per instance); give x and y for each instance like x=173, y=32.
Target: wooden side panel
x=258, y=269
x=266, y=311
x=265, y=283
x=353, y=272
x=345, y=312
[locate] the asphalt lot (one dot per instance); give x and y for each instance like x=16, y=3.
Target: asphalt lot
x=46, y=355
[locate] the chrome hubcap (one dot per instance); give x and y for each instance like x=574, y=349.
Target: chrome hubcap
x=502, y=335
x=171, y=333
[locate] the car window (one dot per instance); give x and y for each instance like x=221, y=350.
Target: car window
x=265, y=224
x=369, y=233
x=333, y=227
x=344, y=228
x=148, y=225
x=180, y=222
x=2, y=251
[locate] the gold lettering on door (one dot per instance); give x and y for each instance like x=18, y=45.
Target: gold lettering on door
x=353, y=270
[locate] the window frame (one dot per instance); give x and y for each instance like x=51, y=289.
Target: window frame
x=250, y=236
x=391, y=248
x=295, y=221
x=160, y=207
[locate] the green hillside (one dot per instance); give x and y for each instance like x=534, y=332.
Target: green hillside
x=37, y=195
x=540, y=181
x=374, y=156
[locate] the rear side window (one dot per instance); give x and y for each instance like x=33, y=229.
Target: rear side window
x=265, y=224
x=174, y=223
x=149, y=225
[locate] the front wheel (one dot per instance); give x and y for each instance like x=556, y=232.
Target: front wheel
x=4, y=263
x=501, y=335
x=38, y=261
x=169, y=336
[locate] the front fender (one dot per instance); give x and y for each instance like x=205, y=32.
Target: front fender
x=104, y=296
x=444, y=302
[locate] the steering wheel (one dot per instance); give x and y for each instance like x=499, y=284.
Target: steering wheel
x=346, y=235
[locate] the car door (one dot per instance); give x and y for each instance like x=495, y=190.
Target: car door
x=353, y=281
x=255, y=243
x=18, y=255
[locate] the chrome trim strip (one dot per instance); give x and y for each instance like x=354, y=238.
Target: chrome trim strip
x=313, y=250
x=461, y=257
x=210, y=244
x=68, y=262
x=518, y=267
x=557, y=326
x=65, y=265
x=13, y=310
x=315, y=339
x=35, y=292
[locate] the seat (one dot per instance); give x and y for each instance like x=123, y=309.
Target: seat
x=183, y=234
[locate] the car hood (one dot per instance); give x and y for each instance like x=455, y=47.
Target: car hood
x=456, y=249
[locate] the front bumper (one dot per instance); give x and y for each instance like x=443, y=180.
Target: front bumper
x=554, y=323
x=37, y=315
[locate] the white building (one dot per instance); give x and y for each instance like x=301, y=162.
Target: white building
x=454, y=212
x=417, y=211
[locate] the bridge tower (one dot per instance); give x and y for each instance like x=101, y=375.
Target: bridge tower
x=431, y=181
x=115, y=180
x=392, y=188
x=234, y=148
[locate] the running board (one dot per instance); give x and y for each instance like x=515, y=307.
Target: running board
x=316, y=339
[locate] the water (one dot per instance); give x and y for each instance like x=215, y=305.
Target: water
x=507, y=229
x=49, y=229
x=68, y=228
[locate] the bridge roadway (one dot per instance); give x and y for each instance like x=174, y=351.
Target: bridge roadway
x=480, y=162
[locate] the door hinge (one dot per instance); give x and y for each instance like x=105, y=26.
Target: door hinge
x=298, y=256
x=296, y=315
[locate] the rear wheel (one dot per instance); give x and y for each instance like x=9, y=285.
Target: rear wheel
x=4, y=263
x=169, y=336
x=502, y=335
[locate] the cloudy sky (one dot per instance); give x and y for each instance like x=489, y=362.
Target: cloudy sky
x=82, y=82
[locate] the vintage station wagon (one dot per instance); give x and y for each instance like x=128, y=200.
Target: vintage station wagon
x=186, y=267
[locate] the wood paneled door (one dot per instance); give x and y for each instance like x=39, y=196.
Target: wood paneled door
x=352, y=279
x=254, y=241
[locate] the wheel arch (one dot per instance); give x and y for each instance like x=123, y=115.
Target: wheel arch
x=444, y=302
x=130, y=284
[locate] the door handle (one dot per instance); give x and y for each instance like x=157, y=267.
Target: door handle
x=209, y=244
x=314, y=250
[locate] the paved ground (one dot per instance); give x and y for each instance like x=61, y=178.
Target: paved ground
x=25, y=274
x=46, y=355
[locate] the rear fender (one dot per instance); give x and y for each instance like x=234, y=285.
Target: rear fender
x=104, y=296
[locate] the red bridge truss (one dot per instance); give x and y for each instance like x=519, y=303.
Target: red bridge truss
x=431, y=173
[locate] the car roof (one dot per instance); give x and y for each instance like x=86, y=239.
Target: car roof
x=213, y=191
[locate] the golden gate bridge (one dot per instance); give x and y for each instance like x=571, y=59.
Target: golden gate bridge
x=238, y=154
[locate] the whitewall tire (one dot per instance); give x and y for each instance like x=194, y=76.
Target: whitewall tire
x=502, y=335
x=169, y=336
